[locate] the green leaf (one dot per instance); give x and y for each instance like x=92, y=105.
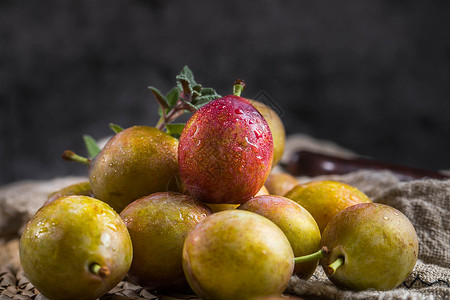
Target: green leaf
x=197, y=88
x=184, y=85
x=195, y=94
x=162, y=100
x=116, y=128
x=175, y=129
x=210, y=92
x=192, y=106
x=172, y=96
x=187, y=73
x=91, y=145
x=202, y=100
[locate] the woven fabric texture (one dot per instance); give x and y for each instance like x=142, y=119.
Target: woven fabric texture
x=425, y=202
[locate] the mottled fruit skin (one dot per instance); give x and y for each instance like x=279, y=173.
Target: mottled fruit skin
x=64, y=238
x=378, y=243
x=282, y=297
x=220, y=207
x=236, y=254
x=325, y=198
x=158, y=225
x=280, y=183
x=136, y=162
x=81, y=188
x=225, y=151
x=297, y=224
x=276, y=127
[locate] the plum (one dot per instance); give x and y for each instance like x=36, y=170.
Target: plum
x=220, y=207
x=373, y=246
x=136, y=162
x=325, y=198
x=158, y=225
x=225, y=151
x=276, y=127
x=297, y=224
x=80, y=188
x=75, y=247
x=236, y=254
x=280, y=183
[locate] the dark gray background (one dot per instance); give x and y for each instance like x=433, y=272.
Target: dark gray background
x=372, y=76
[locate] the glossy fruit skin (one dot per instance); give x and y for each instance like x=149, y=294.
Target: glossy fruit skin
x=378, y=243
x=282, y=297
x=236, y=254
x=136, y=162
x=297, y=224
x=325, y=198
x=220, y=207
x=225, y=151
x=158, y=225
x=81, y=188
x=64, y=238
x=280, y=183
x=276, y=127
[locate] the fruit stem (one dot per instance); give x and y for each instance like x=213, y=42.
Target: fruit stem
x=72, y=156
x=103, y=272
x=331, y=269
x=238, y=87
x=314, y=256
x=174, y=113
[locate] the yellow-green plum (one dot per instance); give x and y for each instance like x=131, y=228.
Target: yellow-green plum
x=75, y=247
x=136, y=162
x=236, y=254
x=158, y=225
x=373, y=246
x=325, y=198
x=80, y=188
x=220, y=207
x=297, y=224
x=280, y=183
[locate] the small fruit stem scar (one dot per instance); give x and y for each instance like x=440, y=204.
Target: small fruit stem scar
x=331, y=269
x=96, y=269
x=72, y=156
x=238, y=87
x=314, y=256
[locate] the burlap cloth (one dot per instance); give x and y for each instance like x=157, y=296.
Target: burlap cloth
x=425, y=202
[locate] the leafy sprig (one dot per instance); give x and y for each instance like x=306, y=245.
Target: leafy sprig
x=186, y=97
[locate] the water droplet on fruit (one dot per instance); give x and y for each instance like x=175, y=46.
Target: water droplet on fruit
x=254, y=146
x=238, y=111
x=196, y=217
x=105, y=238
x=193, y=130
x=41, y=231
x=112, y=226
x=386, y=218
x=258, y=133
